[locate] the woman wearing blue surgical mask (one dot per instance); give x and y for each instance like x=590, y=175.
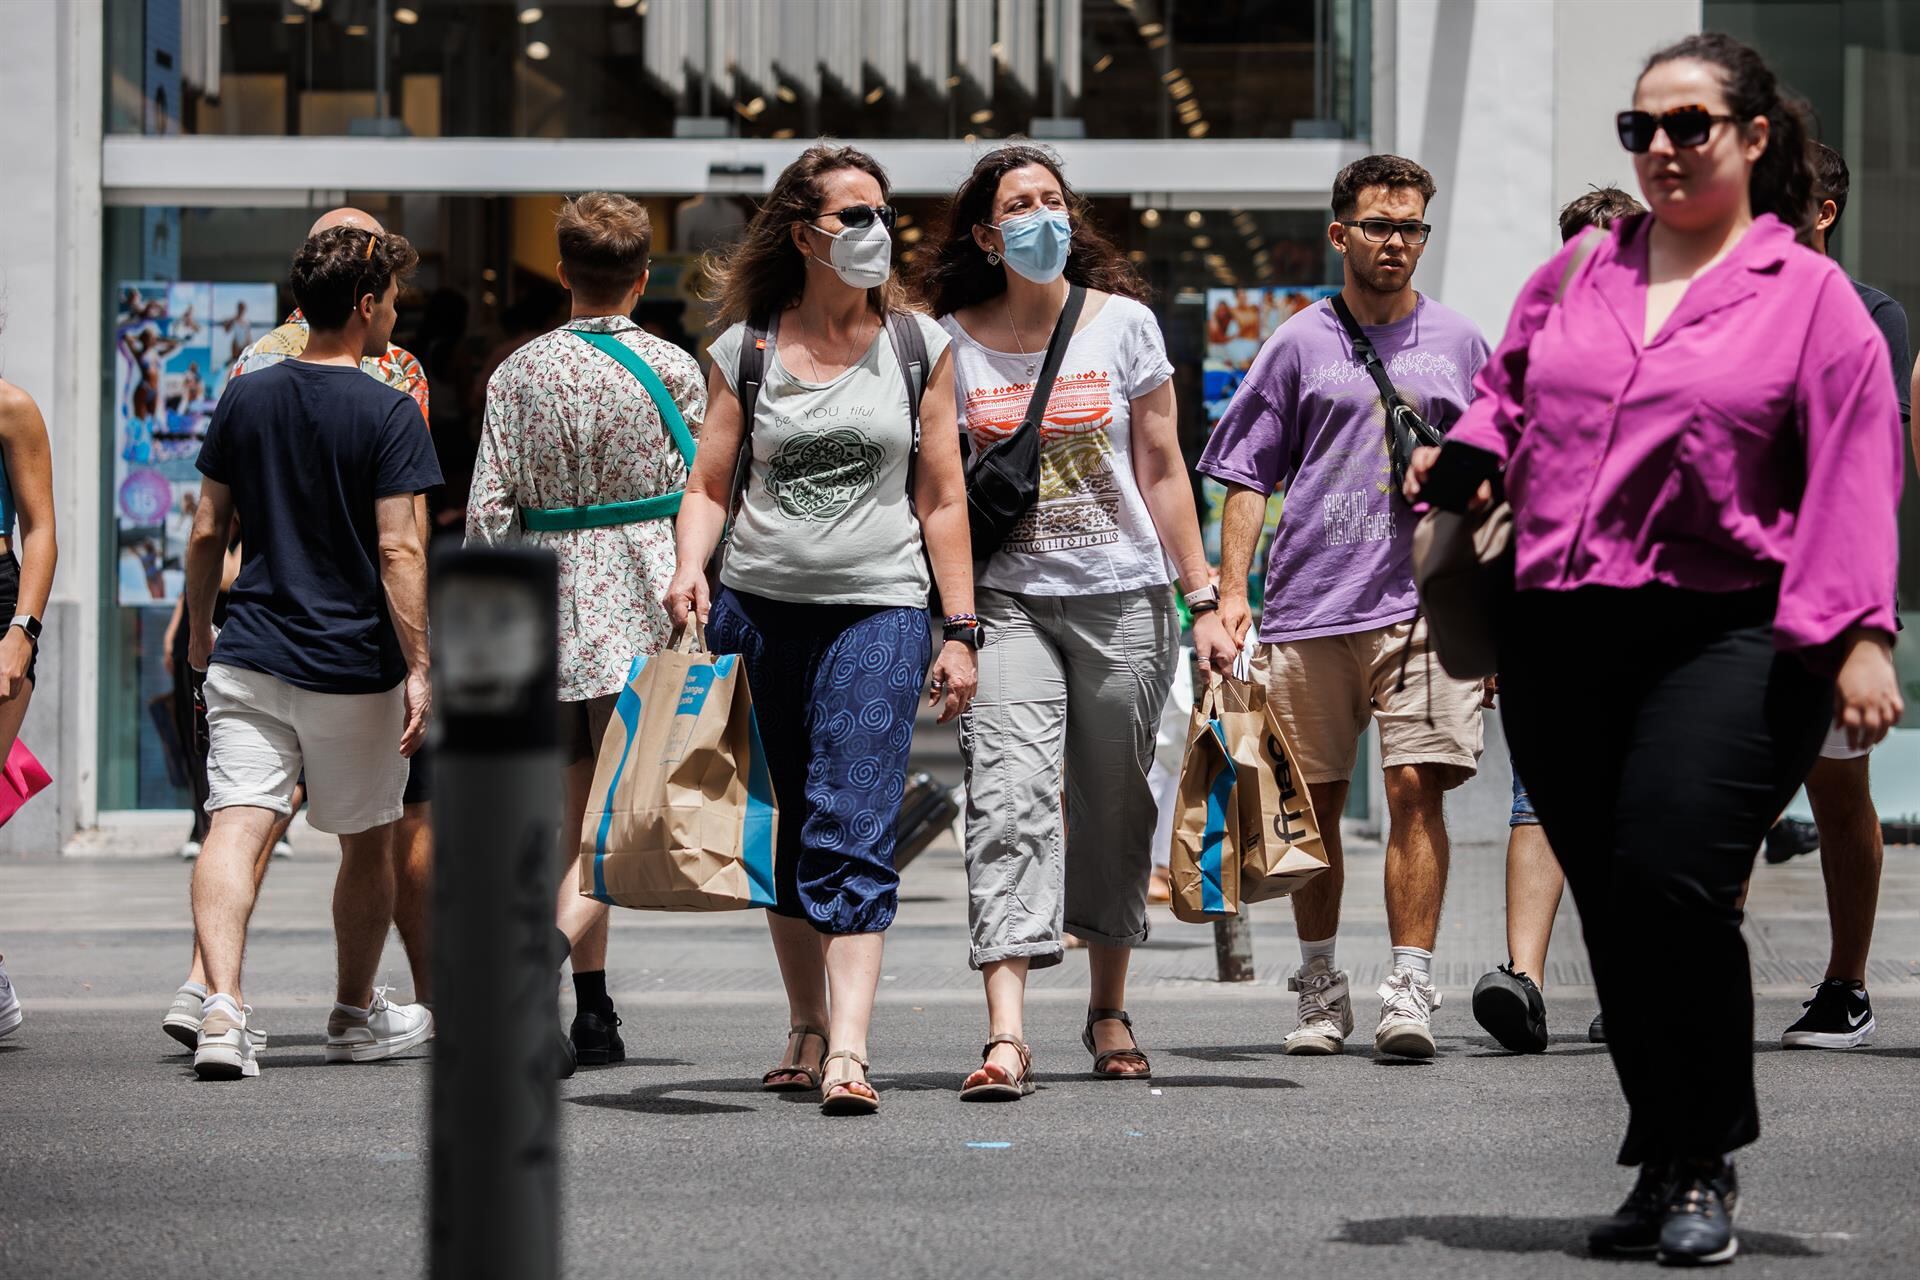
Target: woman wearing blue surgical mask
x=842, y=527
x=1079, y=636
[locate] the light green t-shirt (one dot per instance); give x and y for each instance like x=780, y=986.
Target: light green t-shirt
x=825, y=518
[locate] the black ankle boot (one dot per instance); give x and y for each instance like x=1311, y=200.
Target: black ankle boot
x=596, y=1037
x=1698, y=1230
x=1634, y=1228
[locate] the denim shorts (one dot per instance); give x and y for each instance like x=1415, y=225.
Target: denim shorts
x=1523, y=814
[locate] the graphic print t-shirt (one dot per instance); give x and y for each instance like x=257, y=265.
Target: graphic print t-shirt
x=825, y=518
x=1308, y=419
x=307, y=449
x=1090, y=532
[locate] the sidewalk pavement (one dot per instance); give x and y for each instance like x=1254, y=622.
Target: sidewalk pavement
x=1234, y=1161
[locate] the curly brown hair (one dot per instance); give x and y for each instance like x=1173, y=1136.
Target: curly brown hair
x=342, y=265
x=764, y=273
x=956, y=274
x=1377, y=171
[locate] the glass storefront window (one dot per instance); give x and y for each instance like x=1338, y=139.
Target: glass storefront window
x=741, y=68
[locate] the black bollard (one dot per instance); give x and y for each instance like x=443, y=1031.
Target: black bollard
x=495, y=1189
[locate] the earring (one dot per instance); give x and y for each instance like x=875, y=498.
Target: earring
x=993, y=257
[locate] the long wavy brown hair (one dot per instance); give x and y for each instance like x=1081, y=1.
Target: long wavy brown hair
x=956, y=274
x=764, y=273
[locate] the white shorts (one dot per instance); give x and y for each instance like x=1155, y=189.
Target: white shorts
x=264, y=732
x=1836, y=747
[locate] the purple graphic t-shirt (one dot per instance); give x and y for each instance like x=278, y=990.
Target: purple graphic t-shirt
x=1308, y=419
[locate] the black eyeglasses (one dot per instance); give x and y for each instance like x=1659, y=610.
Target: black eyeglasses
x=1379, y=231
x=1684, y=127
x=855, y=216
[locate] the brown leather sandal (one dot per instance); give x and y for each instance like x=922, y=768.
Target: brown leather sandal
x=991, y=1082
x=1100, y=1060
x=798, y=1078
x=848, y=1097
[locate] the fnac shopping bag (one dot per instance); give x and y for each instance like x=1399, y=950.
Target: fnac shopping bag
x=1204, y=863
x=21, y=779
x=1280, y=847
x=681, y=816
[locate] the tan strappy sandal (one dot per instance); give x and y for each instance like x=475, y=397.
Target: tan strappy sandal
x=848, y=1097
x=800, y=1078
x=992, y=1083
x=1102, y=1062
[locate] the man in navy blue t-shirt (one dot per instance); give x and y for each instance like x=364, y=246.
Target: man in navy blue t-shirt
x=1840, y=1015
x=322, y=663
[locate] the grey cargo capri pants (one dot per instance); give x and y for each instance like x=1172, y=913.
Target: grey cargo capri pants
x=1071, y=689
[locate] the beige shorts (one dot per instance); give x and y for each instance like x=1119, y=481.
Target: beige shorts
x=1325, y=690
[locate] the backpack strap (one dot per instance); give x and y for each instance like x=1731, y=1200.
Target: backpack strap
x=634, y=363
x=910, y=353
x=749, y=375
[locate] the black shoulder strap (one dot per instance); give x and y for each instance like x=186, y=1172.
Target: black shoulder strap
x=1056, y=352
x=910, y=353
x=1363, y=347
x=749, y=372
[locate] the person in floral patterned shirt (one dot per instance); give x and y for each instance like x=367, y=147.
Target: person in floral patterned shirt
x=566, y=427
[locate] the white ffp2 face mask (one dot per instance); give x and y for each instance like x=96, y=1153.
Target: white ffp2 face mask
x=861, y=256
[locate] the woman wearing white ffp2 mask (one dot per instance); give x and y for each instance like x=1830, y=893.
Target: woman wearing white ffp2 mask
x=861, y=251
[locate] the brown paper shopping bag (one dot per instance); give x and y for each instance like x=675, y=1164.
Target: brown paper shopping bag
x=682, y=815
x=1280, y=847
x=1204, y=863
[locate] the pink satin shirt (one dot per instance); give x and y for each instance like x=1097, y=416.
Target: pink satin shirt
x=1755, y=439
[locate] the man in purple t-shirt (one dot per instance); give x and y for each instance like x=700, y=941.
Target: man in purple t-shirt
x=1338, y=631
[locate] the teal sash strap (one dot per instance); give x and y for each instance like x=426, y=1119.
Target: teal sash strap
x=606, y=514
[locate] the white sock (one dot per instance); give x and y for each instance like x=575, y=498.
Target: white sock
x=197, y=988
x=219, y=998
x=1417, y=960
x=1308, y=950
x=351, y=1012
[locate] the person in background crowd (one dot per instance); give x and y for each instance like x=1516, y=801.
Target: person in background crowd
x=412, y=851
x=1508, y=1002
x=1840, y=1015
x=322, y=665
x=572, y=434
x=26, y=581
x=1702, y=450
x=1339, y=628
x=1076, y=607
x=824, y=587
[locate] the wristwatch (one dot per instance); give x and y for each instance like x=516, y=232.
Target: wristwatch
x=1205, y=600
x=29, y=624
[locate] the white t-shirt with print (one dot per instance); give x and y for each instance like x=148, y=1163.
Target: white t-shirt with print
x=1090, y=532
x=825, y=518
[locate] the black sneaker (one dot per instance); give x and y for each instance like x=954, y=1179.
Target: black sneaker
x=1698, y=1230
x=1634, y=1229
x=1597, y=1030
x=564, y=1061
x=1789, y=838
x=596, y=1038
x=1838, y=1017
x=1513, y=1011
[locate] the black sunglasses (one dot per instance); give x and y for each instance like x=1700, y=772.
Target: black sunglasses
x=855, y=216
x=1684, y=127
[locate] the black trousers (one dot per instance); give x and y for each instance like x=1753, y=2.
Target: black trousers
x=1660, y=735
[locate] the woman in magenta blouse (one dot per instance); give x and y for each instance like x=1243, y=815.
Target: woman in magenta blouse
x=1702, y=449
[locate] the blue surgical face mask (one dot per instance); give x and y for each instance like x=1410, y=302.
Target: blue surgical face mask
x=1037, y=243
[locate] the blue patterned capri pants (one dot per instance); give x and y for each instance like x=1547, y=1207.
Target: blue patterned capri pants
x=835, y=688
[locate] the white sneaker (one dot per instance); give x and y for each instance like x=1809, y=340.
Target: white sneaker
x=1406, y=1017
x=281, y=849
x=387, y=1031
x=189, y=850
x=11, y=1014
x=183, y=1018
x=1326, y=1009
x=225, y=1050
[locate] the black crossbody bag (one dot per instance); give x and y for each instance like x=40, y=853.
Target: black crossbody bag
x=1406, y=429
x=1003, y=479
